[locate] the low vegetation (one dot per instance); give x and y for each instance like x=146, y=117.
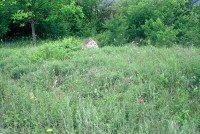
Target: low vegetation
x=129, y=89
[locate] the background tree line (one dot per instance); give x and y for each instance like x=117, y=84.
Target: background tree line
x=111, y=22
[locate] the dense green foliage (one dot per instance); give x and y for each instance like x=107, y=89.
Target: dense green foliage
x=51, y=18
x=58, y=87
x=155, y=22
x=160, y=22
x=110, y=90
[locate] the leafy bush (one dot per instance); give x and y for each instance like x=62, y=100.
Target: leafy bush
x=158, y=33
x=115, y=32
x=158, y=22
x=62, y=49
x=189, y=28
x=5, y=18
x=15, y=64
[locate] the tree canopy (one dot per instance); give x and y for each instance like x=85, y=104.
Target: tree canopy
x=117, y=22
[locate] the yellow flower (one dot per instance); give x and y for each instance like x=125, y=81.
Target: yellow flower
x=49, y=130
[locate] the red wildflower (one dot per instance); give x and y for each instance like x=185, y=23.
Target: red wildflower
x=141, y=100
x=158, y=70
x=126, y=81
x=58, y=92
x=57, y=81
x=70, y=88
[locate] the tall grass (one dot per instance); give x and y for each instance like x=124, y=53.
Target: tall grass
x=110, y=90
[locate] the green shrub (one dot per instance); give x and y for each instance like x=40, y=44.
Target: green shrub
x=188, y=29
x=159, y=34
x=15, y=64
x=157, y=22
x=62, y=49
x=115, y=32
x=17, y=72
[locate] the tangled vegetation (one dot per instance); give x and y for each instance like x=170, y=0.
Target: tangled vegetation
x=125, y=89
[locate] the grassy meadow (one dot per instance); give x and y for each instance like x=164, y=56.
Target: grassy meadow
x=55, y=87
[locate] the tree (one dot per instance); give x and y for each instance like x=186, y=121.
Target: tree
x=30, y=11
x=44, y=11
x=5, y=16
x=96, y=13
x=65, y=18
x=158, y=21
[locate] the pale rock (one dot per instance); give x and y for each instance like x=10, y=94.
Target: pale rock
x=90, y=43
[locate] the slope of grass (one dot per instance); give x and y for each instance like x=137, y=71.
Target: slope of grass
x=110, y=90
